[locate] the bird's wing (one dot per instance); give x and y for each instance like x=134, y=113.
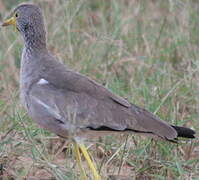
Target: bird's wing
x=81, y=110
x=75, y=108
x=64, y=78
x=94, y=106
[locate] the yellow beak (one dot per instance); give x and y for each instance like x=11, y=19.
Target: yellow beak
x=10, y=21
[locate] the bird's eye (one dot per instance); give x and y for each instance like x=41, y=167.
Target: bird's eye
x=16, y=15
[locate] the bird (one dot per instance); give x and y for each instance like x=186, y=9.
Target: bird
x=71, y=104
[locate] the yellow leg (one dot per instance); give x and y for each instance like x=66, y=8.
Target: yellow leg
x=79, y=162
x=89, y=161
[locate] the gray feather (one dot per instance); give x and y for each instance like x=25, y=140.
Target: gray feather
x=68, y=103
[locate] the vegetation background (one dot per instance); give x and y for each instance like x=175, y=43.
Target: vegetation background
x=144, y=50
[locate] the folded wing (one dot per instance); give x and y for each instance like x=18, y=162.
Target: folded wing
x=78, y=101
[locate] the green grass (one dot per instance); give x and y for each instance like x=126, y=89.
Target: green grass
x=146, y=51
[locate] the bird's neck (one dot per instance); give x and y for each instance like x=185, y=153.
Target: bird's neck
x=35, y=41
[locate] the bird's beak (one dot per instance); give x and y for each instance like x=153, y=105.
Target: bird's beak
x=11, y=21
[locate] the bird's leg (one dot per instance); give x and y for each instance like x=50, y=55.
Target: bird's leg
x=89, y=161
x=79, y=162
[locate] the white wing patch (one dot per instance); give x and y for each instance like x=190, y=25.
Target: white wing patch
x=42, y=81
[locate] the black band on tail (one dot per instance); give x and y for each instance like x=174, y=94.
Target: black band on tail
x=184, y=132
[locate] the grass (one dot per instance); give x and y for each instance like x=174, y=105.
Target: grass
x=146, y=51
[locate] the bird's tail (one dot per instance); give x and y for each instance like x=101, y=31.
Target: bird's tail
x=184, y=132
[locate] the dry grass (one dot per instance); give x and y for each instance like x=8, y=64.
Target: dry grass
x=146, y=51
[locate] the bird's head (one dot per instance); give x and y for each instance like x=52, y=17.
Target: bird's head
x=28, y=20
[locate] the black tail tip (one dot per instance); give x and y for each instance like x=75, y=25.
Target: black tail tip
x=184, y=132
